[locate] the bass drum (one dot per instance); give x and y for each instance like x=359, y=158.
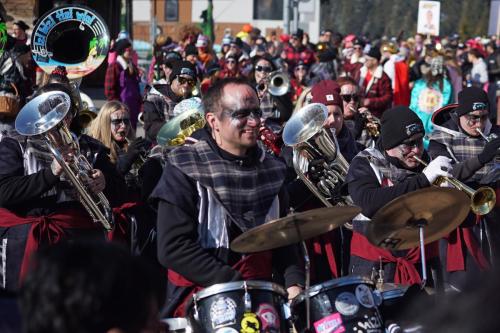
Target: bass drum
x=347, y=304
x=242, y=306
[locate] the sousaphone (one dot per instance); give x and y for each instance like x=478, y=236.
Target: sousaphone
x=72, y=36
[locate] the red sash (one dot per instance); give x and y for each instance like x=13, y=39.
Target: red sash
x=323, y=245
x=121, y=230
x=406, y=273
x=256, y=266
x=455, y=256
x=48, y=229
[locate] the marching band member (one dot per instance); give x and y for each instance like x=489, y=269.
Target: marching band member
x=329, y=252
x=112, y=128
x=458, y=138
x=38, y=206
x=380, y=174
x=159, y=103
x=215, y=189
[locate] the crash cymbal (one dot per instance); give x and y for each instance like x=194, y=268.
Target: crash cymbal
x=293, y=228
x=441, y=210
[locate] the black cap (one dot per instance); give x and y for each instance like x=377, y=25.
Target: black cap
x=374, y=53
x=471, y=99
x=21, y=24
x=397, y=125
x=183, y=68
x=190, y=50
x=121, y=45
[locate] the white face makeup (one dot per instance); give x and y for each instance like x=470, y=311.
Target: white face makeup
x=120, y=125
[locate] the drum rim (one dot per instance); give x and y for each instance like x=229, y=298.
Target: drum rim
x=339, y=282
x=239, y=285
x=399, y=291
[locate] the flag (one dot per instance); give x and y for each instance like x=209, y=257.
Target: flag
x=208, y=21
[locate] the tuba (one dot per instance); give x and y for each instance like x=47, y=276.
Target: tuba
x=88, y=111
x=45, y=116
x=72, y=36
x=3, y=35
x=189, y=117
x=313, y=149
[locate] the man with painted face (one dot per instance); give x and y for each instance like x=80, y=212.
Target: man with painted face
x=159, y=103
x=214, y=190
x=380, y=174
x=457, y=135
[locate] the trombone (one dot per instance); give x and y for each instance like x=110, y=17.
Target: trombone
x=482, y=200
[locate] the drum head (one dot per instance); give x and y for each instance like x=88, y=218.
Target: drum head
x=239, y=285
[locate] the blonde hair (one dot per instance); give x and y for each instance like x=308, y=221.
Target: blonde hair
x=100, y=127
x=303, y=99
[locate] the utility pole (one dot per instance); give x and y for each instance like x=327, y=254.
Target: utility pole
x=286, y=16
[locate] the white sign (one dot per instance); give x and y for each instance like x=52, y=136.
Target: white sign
x=428, y=17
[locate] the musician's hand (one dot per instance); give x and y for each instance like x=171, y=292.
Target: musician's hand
x=56, y=168
x=440, y=166
x=490, y=150
x=365, y=111
x=97, y=182
x=293, y=291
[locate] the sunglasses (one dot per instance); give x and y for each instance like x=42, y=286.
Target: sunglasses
x=349, y=98
x=244, y=113
x=300, y=68
x=263, y=69
x=230, y=61
x=409, y=145
x=183, y=80
x=472, y=119
x=119, y=121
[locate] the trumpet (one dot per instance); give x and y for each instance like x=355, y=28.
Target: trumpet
x=487, y=138
x=277, y=83
x=483, y=199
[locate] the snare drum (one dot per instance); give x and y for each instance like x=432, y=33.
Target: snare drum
x=242, y=306
x=346, y=304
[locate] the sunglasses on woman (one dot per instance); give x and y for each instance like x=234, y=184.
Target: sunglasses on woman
x=263, y=69
x=183, y=80
x=119, y=121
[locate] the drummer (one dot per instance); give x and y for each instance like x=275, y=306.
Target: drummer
x=380, y=174
x=214, y=190
x=456, y=135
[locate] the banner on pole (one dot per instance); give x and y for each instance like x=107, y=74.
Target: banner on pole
x=428, y=17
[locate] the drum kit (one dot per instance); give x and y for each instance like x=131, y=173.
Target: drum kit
x=346, y=304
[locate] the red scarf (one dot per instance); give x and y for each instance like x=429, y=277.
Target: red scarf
x=256, y=266
x=121, y=230
x=47, y=229
x=322, y=245
x=406, y=273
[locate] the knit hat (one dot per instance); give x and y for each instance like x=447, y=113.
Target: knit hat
x=183, y=68
x=397, y=125
x=374, y=53
x=121, y=45
x=190, y=50
x=326, y=92
x=21, y=24
x=471, y=99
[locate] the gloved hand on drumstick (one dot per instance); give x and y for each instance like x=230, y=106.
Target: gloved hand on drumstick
x=489, y=152
x=440, y=166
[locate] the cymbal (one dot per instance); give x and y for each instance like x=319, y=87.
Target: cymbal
x=441, y=210
x=293, y=228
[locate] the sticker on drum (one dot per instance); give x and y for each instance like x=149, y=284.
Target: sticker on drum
x=250, y=323
x=346, y=304
x=330, y=324
x=364, y=296
x=223, y=312
x=268, y=317
x=226, y=330
x=369, y=324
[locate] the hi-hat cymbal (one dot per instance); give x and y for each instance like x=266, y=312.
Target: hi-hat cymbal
x=293, y=228
x=441, y=210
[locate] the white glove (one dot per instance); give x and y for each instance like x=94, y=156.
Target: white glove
x=440, y=166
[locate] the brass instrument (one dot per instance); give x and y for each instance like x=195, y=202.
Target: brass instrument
x=45, y=116
x=277, y=83
x=88, y=111
x=487, y=138
x=482, y=200
x=189, y=118
x=77, y=38
x=372, y=125
x=311, y=144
